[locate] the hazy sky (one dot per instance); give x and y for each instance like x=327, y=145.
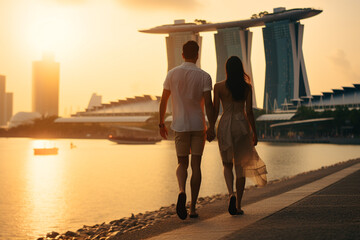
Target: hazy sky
x=100, y=49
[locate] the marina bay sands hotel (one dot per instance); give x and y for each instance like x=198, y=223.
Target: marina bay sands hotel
x=286, y=80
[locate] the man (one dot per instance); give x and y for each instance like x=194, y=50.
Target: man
x=189, y=87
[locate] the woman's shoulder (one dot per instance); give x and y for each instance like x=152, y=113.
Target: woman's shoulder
x=220, y=84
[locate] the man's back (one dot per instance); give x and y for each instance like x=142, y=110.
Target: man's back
x=187, y=84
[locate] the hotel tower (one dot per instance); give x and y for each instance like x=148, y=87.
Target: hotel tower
x=286, y=79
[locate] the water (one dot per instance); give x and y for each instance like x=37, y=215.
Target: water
x=99, y=181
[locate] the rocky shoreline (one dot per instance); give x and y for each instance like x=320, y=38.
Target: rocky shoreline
x=114, y=229
x=135, y=224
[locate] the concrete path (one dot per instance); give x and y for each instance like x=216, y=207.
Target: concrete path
x=276, y=212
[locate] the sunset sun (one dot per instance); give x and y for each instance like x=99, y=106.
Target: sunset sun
x=57, y=32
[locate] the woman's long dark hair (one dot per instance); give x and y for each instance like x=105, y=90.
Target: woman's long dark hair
x=237, y=81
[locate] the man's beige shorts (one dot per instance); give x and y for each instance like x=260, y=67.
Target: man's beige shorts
x=189, y=142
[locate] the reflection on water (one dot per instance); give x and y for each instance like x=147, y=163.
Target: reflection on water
x=45, y=190
x=99, y=181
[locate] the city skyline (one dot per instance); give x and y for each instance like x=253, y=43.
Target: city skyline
x=108, y=56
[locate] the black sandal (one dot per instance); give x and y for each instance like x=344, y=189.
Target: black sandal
x=240, y=212
x=232, y=206
x=180, y=206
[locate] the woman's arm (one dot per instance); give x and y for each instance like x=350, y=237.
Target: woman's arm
x=250, y=115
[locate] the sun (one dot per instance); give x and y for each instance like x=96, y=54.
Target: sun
x=54, y=30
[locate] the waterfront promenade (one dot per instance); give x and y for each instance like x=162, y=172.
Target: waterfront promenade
x=328, y=208
x=320, y=204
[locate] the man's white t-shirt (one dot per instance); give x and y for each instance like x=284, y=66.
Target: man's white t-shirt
x=187, y=84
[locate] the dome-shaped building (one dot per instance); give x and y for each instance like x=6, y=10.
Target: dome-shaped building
x=21, y=118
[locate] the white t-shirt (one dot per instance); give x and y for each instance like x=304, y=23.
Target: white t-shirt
x=187, y=84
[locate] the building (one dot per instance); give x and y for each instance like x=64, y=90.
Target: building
x=9, y=106
x=45, y=86
x=138, y=111
x=347, y=96
x=285, y=78
x=235, y=39
x=233, y=42
x=175, y=42
x=6, y=102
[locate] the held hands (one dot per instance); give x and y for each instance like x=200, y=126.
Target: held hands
x=210, y=134
x=163, y=131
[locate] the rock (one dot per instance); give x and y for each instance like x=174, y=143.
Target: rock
x=52, y=234
x=71, y=234
x=40, y=238
x=96, y=237
x=117, y=222
x=114, y=235
x=90, y=232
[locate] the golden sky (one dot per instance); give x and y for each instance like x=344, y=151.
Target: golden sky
x=100, y=49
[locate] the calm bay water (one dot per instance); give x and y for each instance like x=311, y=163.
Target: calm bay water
x=99, y=181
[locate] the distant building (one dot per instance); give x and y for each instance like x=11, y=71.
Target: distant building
x=175, y=42
x=6, y=102
x=136, y=111
x=45, y=86
x=95, y=101
x=233, y=42
x=346, y=97
x=2, y=100
x=9, y=106
x=285, y=79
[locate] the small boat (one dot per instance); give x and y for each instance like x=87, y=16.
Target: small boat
x=134, y=140
x=46, y=151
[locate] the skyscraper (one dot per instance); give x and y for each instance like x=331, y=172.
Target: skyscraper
x=233, y=42
x=285, y=78
x=8, y=106
x=45, y=86
x=6, y=102
x=2, y=100
x=175, y=42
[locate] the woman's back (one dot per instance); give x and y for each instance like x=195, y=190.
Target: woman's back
x=230, y=106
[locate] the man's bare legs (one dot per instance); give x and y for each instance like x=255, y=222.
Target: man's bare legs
x=181, y=172
x=195, y=181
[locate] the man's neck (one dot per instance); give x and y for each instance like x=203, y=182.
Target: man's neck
x=191, y=60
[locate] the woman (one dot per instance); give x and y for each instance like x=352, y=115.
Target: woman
x=237, y=133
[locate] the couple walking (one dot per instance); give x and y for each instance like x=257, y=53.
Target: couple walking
x=190, y=89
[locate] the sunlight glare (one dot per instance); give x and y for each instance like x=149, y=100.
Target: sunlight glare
x=42, y=144
x=53, y=31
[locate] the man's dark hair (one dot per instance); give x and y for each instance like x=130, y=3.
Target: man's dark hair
x=190, y=50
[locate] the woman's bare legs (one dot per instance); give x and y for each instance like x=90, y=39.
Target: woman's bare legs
x=229, y=177
x=240, y=185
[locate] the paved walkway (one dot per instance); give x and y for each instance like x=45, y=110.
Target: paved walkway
x=328, y=208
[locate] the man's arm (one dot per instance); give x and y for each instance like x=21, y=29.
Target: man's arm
x=162, y=110
x=210, y=115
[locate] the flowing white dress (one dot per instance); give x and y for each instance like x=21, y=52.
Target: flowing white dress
x=235, y=139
